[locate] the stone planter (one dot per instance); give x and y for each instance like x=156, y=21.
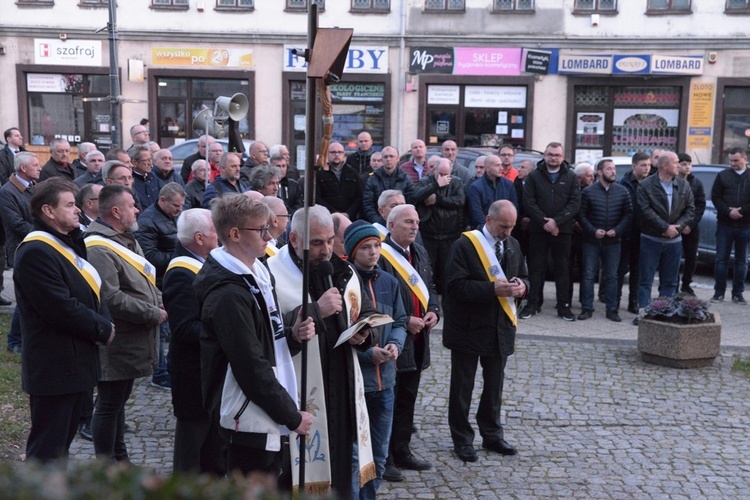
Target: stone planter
x=679, y=346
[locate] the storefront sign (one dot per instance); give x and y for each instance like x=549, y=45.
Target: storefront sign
x=700, y=117
x=54, y=83
x=536, y=61
x=487, y=61
x=585, y=64
x=443, y=94
x=360, y=59
x=227, y=58
x=494, y=97
x=631, y=64
x=54, y=51
x=431, y=60
x=343, y=92
x=677, y=65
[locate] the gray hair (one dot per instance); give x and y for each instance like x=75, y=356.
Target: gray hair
x=396, y=212
x=385, y=195
x=109, y=165
x=191, y=221
x=22, y=159
x=262, y=175
x=317, y=213
x=93, y=153
x=274, y=203
x=170, y=190
x=582, y=166
x=57, y=141
x=198, y=164
x=135, y=151
x=85, y=147
x=275, y=150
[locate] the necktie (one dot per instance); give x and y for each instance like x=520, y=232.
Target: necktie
x=499, y=250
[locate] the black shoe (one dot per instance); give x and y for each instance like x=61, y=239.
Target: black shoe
x=739, y=299
x=687, y=289
x=466, y=452
x=565, y=313
x=585, y=314
x=412, y=463
x=4, y=301
x=718, y=297
x=85, y=432
x=527, y=312
x=635, y=321
x=392, y=474
x=500, y=447
x=613, y=316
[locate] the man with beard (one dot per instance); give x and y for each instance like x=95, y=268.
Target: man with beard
x=338, y=188
x=331, y=369
x=228, y=181
x=604, y=217
x=388, y=177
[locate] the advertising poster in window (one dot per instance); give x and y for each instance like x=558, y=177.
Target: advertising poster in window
x=590, y=128
x=643, y=129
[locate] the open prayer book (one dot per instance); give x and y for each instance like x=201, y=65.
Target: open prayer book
x=363, y=324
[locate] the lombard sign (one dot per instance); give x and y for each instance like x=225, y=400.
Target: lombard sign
x=677, y=65
x=584, y=64
x=631, y=64
x=360, y=59
x=54, y=51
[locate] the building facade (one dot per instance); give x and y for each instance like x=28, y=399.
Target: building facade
x=604, y=77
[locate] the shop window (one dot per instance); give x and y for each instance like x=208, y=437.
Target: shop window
x=301, y=5
x=738, y=7
x=513, y=6
x=179, y=100
x=235, y=4
x=736, y=119
x=601, y=6
x=668, y=7
x=371, y=5
x=445, y=5
x=60, y=106
x=170, y=4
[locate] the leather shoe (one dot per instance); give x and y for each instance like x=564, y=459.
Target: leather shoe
x=412, y=463
x=466, y=452
x=4, y=301
x=392, y=474
x=613, y=316
x=499, y=446
x=585, y=314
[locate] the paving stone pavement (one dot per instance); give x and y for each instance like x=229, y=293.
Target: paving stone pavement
x=589, y=418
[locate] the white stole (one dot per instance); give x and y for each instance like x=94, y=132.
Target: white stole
x=408, y=274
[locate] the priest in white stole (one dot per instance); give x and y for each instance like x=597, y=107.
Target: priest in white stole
x=333, y=310
x=487, y=276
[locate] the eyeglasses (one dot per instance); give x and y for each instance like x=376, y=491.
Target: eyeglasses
x=122, y=179
x=146, y=160
x=551, y=155
x=93, y=199
x=262, y=230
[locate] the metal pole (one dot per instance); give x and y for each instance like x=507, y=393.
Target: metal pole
x=310, y=134
x=115, y=134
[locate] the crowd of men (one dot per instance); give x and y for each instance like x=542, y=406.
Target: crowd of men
x=115, y=256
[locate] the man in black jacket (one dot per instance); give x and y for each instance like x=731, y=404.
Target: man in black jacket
x=410, y=264
x=360, y=159
x=198, y=448
x=60, y=359
x=339, y=188
x=488, y=337
x=13, y=146
x=248, y=381
x=691, y=233
x=731, y=197
x=604, y=217
x=552, y=199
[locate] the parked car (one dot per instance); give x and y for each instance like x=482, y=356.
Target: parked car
x=468, y=156
x=184, y=149
x=707, y=241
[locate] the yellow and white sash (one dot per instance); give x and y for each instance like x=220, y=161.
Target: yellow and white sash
x=493, y=269
x=381, y=229
x=140, y=263
x=317, y=466
x=407, y=273
x=190, y=263
x=87, y=271
x=271, y=250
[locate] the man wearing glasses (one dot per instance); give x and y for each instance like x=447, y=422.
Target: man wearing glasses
x=388, y=177
x=507, y=170
x=144, y=183
x=139, y=135
x=338, y=188
x=552, y=198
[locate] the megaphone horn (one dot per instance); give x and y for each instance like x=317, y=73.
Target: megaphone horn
x=204, y=122
x=236, y=106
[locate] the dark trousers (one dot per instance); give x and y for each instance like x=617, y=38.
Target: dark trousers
x=407, y=387
x=690, y=254
x=108, y=422
x=274, y=463
x=540, y=244
x=54, y=422
x=198, y=447
x=87, y=408
x=438, y=251
x=14, y=334
x=630, y=251
x=463, y=370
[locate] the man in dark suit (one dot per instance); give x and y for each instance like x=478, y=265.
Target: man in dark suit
x=60, y=364
x=13, y=146
x=58, y=164
x=198, y=447
x=489, y=337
